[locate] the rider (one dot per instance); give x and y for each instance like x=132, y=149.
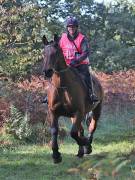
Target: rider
x=75, y=49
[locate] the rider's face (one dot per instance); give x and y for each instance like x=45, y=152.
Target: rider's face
x=72, y=30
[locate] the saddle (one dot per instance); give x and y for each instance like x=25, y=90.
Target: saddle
x=87, y=85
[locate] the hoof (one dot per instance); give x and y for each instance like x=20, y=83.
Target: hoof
x=79, y=155
x=87, y=149
x=57, y=157
x=57, y=160
x=80, y=152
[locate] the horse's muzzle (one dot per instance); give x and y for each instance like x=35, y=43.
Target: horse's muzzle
x=48, y=73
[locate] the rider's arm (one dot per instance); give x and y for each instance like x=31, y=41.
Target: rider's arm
x=85, y=50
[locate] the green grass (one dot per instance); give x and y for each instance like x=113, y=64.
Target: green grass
x=109, y=160
x=113, y=156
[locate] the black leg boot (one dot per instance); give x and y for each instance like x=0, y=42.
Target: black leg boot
x=93, y=98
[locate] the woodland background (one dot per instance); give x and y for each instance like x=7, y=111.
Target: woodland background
x=110, y=29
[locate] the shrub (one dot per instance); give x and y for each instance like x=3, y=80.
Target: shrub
x=18, y=124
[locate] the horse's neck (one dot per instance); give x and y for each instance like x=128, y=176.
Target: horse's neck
x=67, y=77
x=63, y=75
x=61, y=62
x=62, y=78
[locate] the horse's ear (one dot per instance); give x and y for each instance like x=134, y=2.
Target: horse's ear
x=45, y=41
x=56, y=38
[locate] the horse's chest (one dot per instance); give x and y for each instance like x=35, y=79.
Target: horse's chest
x=63, y=103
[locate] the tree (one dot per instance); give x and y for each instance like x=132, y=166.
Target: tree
x=110, y=30
x=22, y=27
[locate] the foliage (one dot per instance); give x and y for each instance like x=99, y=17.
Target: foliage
x=119, y=91
x=109, y=28
x=39, y=134
x=21, y=42
x=18, y=124
x=116, y=42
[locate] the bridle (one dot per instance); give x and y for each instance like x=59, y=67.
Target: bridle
x=54, y=70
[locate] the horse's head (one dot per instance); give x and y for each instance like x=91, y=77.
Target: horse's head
x=51, y=55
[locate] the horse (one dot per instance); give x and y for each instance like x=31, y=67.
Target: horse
x=67, y=96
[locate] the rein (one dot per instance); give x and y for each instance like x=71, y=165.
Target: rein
x=61, y=87
x=61, y=71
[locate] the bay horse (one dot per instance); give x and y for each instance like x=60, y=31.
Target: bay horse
x=67, y=96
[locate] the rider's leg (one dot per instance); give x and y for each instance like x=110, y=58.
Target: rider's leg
x=92, y=96
x=84, y=69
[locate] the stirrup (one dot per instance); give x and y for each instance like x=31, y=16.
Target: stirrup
x=45, y=100
x=94, y=98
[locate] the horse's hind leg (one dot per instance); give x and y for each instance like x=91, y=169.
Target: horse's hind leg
x=92, y=127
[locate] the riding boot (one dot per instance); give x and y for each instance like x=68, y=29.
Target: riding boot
x=45, y=100
x=93, y=98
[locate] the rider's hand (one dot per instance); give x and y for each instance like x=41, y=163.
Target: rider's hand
x=74, y=62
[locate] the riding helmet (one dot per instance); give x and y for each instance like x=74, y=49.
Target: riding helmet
x=71, y=21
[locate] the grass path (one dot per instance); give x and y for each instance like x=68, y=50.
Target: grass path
x=113, y=156
x=109, y=160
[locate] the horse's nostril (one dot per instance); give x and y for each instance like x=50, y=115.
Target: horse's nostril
x=48, y=73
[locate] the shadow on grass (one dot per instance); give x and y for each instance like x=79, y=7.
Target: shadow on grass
x=38, y=165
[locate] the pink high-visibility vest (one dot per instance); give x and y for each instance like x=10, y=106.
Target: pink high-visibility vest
x=69, y=49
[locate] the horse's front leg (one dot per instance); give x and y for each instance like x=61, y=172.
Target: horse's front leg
x=54, y=135
x=81, y=148
x=91, y=129
x=77, y=133
x=80, y=134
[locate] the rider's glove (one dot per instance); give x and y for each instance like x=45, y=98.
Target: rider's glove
x=74, y=62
